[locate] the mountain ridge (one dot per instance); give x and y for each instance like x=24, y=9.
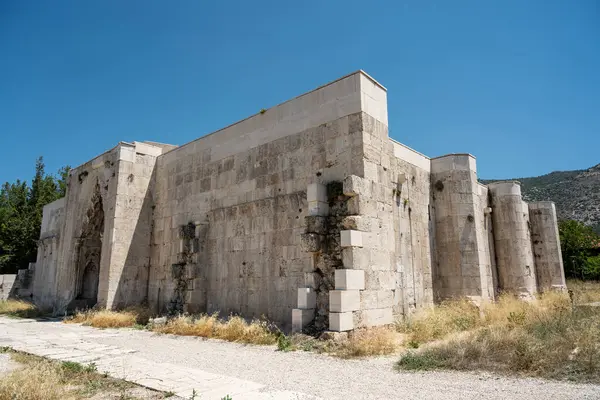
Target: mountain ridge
x=576, y=193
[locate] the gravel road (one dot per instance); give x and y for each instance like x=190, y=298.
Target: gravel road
x=315, y=375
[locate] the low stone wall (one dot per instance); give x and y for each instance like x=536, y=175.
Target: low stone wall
x=7, y=285
x=17, y=285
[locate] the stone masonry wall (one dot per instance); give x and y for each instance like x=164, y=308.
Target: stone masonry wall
x=386, y=244
x=249, y=259
x=546, y=246
x=81, y=184
x=412, y=230
x=512, y=239
x=245, y=189
x=120, y=177
x=463, y=265
x=306, y=214
x=127, y=282
x=44, y=282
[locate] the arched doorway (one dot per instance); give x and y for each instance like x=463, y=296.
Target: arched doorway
x=89, y=254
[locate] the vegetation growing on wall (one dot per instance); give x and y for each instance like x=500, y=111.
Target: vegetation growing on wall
x=21, y=205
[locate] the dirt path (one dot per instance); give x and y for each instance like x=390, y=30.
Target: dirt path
x=215, y=369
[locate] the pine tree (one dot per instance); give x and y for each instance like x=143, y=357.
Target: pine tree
x=21, y=209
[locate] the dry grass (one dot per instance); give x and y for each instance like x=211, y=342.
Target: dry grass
x=39, y=381
x=548, y=337
x=18, y=308
x=42, y=379
x=127, y=318
x=377, y=341
x=438, y=322
x=584, y=291
x=369, y=342
x=235, y=329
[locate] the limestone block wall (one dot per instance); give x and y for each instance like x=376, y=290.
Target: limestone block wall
x=306, y=213
x=386, y=242
x=115, y=184
x=512, y=239
x=412, y=229
x=489, y=275
x=384, y=283
x=547, y=254
x=462, y=258
x=96, y=177
x=44, y=282
x=130, y=237
x=245, y=188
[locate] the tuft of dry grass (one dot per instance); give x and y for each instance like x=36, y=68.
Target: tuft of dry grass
x=584, y=291
x=39, y=381
x=547, y=337
x=127, y=318
x=369, y=342
x=438, y=322
x=18, y=308
x=42, y=379
x=377, y=341
x=235, y=329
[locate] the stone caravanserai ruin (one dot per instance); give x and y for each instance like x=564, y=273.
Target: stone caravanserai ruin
x=307, y=213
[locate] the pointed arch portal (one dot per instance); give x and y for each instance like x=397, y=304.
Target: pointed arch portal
x=89, y=253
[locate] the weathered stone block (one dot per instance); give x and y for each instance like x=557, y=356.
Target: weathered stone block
x=311, y=242
x=301, y=318
x=355, y=257
x=355, y=185
x=371, y=173
x=360, y=205
x=380, y=260
x=318, y=208
x=371, y=299
x=350, y=238
x=309, y=277
x=307, y=298
x=349, y=279
x=375, y=317
x=344, y=300
x=380, y=280
x=316, y=224
x=316, y=192
x=357, y=222
x=341, y=322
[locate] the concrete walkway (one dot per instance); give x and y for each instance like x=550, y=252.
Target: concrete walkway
x=215, y=369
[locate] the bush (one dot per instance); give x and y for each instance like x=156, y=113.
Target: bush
x=577, y=242
x=419, y=362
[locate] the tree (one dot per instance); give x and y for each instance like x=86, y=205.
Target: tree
x=63, y=175
x=14, y=225
x=578, y=242
x=21, y=208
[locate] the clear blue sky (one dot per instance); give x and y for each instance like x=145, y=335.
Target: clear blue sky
x=516, y=83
